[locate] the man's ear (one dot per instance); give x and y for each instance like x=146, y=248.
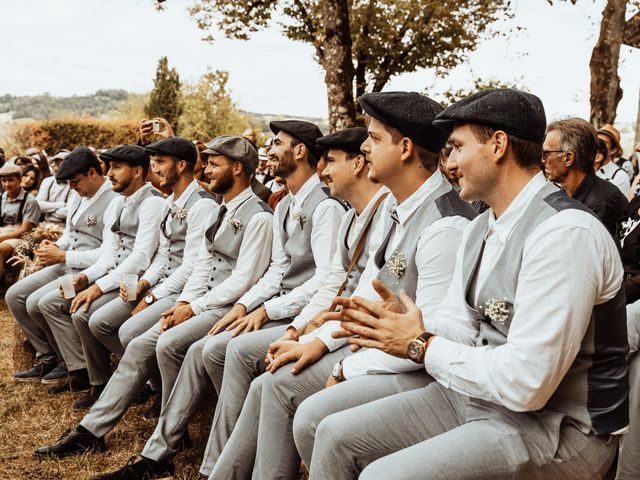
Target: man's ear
x=359, y=164
x=406, y=149
x=299, y=151
x=500, y=144
x=570, y=159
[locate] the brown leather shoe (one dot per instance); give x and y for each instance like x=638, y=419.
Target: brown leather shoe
x=87, y=400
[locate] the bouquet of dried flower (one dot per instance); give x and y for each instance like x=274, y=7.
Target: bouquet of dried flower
x=47, y=231
x=23, y=255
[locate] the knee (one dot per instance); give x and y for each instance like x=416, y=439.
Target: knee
x=125, y=336
x=214, y=352
x=332, y=433
x=165, y=347
x=32, y=304
x=79, y=320
x=375, y=470
x=14, y=294
x=99, y=326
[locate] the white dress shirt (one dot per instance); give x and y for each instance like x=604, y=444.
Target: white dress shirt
x=103, y=272
x=326, y=222
x=619, y=178
x=325, y=295
x=197, y=222
x=435, y=259
x=569, y=264
x=53, y=197
x=78, y=205
x=253, y=260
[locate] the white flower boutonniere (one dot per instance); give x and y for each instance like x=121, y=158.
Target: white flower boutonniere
x=497, y=310
x=91, y=220
x=179, y=213
x=397, y=265
x=300, y=217
x=236, y=224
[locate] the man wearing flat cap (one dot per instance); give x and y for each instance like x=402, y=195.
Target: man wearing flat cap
x=19, y=212
x=358, y=236
x=233, y=255
x=76, y=249
x=519, y=354
x=53, y=196
x=134, y=219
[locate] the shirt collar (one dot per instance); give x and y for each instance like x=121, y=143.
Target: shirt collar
x=585, y=185
x=103, y=188
x=238, y=200
x=299, y=198
x=21, y=194
x=132, y=198
x=508, y=220
x=182, y=199
x=417, y=198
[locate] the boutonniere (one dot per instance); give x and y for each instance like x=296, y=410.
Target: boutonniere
x=497, y=310
x=397, y=264
x=179, y=213
x=91, y=220
x=300, y=217
x=236, y=224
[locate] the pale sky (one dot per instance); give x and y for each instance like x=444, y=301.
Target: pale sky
x=68, y=47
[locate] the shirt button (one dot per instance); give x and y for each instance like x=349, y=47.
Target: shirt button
x=485, y=341
x=214, y=269
x=350, y=276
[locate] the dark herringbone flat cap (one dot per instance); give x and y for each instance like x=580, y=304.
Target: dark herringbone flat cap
x=306, y=132
x=348, y=139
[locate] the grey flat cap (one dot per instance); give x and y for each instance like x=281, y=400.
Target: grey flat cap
x=236, y=148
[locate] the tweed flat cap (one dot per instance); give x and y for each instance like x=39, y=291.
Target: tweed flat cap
x=348, y=139
x=236, y=148
x=410, y=113
x=134, y=155
x=306, y=132
x=80, y=160
x=178, y=147
x=9, y=169
x=512, y=111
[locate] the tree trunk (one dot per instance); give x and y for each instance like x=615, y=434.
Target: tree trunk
x=605, y=82
x=338, y=64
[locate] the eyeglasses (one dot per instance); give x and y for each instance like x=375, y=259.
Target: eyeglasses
x=546, y=153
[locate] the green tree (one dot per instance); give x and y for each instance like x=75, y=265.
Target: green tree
x=208, y=110
x=361, y=44
x=164, y=100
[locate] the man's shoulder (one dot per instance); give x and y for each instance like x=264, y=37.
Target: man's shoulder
x=608, y=190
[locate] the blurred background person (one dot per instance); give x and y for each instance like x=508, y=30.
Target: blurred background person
x=30, y=179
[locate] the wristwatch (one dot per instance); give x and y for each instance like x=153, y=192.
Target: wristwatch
x=418, y=347
x=149, y=298
x=337, y=374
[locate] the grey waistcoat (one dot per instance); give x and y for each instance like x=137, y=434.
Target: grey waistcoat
x=399, y=271
x=226, y=246
x=346, y=253
x=179, y=227
x=126, y=227
x=297, y=246
x=86, y=232
x=594, y=392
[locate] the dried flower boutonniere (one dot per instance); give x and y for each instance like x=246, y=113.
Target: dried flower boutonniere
x=179, y=213
x=91, y=220
x=236, y=224
x=300, y=217
x=397, y=264
x=497, y=310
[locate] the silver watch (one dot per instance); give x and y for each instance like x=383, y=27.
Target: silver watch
x=149, y=299
x=337, y=373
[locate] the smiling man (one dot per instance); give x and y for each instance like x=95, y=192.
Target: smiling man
x=569, y=150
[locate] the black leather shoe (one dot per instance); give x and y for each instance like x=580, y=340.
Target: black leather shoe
x=154, y=410
x=35, y=373
x=78, y=382
x=185, y=442
x=145, y=394
x=140, y=468
x=57, y=375
x=88, y=399
x=72, y=442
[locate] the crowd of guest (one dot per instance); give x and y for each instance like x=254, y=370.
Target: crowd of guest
x=447, y=293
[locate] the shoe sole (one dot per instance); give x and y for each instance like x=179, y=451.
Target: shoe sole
x=68, y=391
x=52, y=381
x=45, y=456
x=27, y=380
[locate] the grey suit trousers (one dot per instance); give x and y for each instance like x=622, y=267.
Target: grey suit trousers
x=422, y=434
x=629, y=456
x=62, y=323
x=22, y=299
x=150, y=350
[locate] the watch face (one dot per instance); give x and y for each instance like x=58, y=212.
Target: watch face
x=148, y=299
x=336, y=371
x=415, y=350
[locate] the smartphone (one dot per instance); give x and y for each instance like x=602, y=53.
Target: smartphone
x=156, y=125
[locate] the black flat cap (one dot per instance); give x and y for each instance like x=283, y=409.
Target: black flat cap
x=134, y=155
x=236, y=148
x=178, y=147
x=512, y=111
x=410, y=113
x=80, y=160
x=348, y=140
x=307, y=132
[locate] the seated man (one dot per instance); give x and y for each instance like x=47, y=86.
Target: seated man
x=19, y=213
x=78, y=248
x=232, y=256
x=527, y=349
x=54, y=195
x=134, y=218
x=569, y=149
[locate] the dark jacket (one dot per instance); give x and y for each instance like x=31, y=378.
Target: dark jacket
x=605, y=200
x=630, y=253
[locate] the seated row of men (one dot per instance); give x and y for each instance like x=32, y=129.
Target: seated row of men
x=452, y=346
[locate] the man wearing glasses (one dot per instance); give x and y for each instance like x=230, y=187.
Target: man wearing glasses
x=569, y=150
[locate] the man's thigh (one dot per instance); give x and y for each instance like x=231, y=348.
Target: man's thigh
x=144, y=320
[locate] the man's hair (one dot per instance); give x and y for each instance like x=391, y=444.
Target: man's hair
x=312, y=160
x=602, y=148
x=528, y=154
x=578, y=137
x=428, y=159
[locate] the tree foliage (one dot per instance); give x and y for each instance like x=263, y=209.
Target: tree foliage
x=164, y=100
x=208, y=110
